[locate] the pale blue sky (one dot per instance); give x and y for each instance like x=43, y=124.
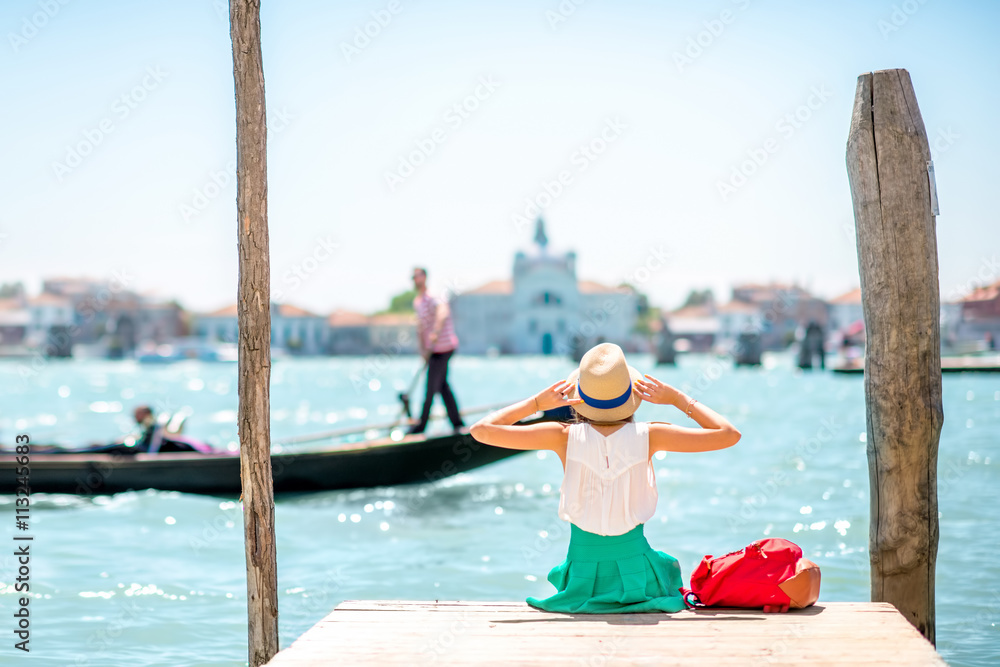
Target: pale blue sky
x=339, y=124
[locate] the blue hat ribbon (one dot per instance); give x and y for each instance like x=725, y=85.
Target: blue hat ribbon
x=604, y=404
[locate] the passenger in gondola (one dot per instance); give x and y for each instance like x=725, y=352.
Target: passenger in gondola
x=153, y=438
x=152, y=433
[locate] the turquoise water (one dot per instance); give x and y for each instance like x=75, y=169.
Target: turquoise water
x=158, y=578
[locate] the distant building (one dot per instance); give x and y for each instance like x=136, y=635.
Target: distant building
x=385, y=333
x=105, y=315
x=735, y=318
x=15, y=319
x=845, y=311
x=161, y=321
x=783, y=309
x=482, y=318
x=393, y=333
x=980, y=319
x=293, y=329
x=697, y=325
x=298, y=330
x=982, y=303
x=349, y=333
x=543, y=308
x=51, y=324
x=94, y=302
x=218, y=325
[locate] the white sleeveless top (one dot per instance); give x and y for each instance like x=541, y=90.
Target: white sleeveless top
x=609, y=487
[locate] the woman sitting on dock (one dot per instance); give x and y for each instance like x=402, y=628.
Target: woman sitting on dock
x=609, y=489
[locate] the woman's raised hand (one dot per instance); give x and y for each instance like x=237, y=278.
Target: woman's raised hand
x=555, y=396
x=654, y=391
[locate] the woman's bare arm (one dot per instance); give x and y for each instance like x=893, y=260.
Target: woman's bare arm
x=715, y=433
x=497, y=428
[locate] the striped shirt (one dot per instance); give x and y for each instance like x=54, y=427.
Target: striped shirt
x=426, y=307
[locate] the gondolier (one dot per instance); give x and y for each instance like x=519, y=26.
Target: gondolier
x=438, y=342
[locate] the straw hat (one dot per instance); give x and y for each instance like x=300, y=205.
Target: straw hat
x=604, y=382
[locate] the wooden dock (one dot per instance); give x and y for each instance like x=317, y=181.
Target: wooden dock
x=948, y=365
x=392, y=632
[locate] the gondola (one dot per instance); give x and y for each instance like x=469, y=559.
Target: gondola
x=375, y=462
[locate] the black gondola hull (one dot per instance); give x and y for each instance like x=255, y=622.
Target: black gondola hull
x=358, y=465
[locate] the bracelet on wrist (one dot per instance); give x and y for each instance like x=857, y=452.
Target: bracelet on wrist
x=690, y=406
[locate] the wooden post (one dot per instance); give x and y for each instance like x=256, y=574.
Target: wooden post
x=887, y=162
x=254, y=316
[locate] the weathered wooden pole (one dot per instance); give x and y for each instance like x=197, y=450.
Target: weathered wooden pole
x=254, y=316
x=888, y=162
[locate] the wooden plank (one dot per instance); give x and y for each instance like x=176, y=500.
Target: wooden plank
x=398, y=632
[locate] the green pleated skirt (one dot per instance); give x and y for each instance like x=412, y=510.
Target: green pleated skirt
x=617, y=574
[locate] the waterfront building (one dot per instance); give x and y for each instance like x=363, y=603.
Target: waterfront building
x=544, y=308
x=104, y=312
x=349, y=333
x=735, y=318
x=393, y=333
x=384, y=333
x=979, y=327
x=15, y=318
x=51, y=323
x=694, y=328
x=845, y=311
x=293, y=329
x=783, y=309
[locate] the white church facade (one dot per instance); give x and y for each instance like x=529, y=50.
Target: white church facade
x=543, y=309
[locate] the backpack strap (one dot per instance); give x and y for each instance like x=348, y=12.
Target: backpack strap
x=691, y=599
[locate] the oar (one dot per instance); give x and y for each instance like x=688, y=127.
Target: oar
x=405, y=396
x=351, y=430
x=385, y=426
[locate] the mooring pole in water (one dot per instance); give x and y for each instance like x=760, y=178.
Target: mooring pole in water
x=891, y=176
x=254, y=317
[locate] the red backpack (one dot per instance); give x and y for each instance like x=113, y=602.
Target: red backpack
x=769, y=573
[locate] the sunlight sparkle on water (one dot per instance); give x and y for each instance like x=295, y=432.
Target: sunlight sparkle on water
x=97, y=594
